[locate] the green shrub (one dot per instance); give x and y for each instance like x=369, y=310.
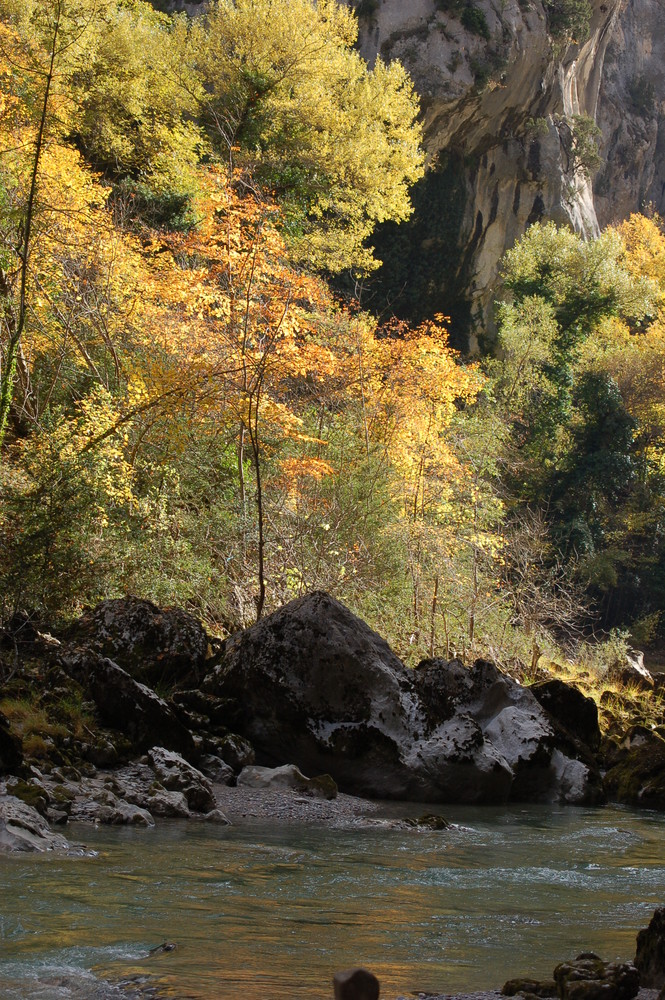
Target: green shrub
x=568, y=19
x=135, y=203
x=642, y=94
x=474, y=20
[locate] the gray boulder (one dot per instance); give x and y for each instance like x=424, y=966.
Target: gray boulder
x=589, y=978
x=139, y=785
x=217, y=769
x=22, y=829
x=289, y=777
x=154, y=645
x=650, y=955
x=317, y=684
x=125, y=704
x=176, y=774
x=105, y=807
x=544, y=761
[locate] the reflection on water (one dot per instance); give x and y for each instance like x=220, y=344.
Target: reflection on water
x=264, y=912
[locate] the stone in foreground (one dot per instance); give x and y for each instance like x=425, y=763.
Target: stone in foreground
x=22, y=829
x=589, y=978
x=176, y=774
x=356, y=984
x=650, y=955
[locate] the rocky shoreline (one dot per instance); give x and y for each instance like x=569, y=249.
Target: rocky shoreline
x=135, y=714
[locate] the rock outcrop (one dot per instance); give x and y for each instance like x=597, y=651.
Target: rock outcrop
x=23, y=829
x=503, y=84
x=589, y=978
x=650, y=954
x=636, y=769
x=320, y=687
x=154, y=645
x=159, y=784
x=125, y=704
x=503, y=93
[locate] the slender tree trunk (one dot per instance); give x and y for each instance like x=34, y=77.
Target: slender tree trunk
x=16, y=324
x=434, y=602
x=243, y=488
x=256, y=455
x=445, y=631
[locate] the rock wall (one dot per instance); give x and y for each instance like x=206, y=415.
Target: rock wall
x=631, y=113
x=500, y=100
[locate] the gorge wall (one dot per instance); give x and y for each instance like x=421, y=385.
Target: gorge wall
x=502, y=105
x=505, y=100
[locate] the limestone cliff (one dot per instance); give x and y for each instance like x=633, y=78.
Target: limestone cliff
x=507, y=104
x=631, y=114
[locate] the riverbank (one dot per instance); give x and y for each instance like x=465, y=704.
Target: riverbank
x=311, y=685
x=243, y=805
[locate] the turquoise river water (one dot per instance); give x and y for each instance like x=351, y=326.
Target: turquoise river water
x=265, y=912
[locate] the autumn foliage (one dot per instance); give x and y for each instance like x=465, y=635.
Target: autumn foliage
x=186, y=410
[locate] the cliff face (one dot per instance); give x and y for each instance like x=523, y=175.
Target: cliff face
x=510, y=106
x=631, y=113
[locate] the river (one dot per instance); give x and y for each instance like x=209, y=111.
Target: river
x=264, y=912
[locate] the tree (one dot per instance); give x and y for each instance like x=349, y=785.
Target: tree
x=573, y=439
x=283, y=92
x=132, y=114
x=33, y=63
x=562, y=289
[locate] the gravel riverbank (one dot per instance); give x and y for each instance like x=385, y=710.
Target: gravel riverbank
x=243, y=805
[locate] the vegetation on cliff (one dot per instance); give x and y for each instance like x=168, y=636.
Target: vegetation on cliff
x=187, y=412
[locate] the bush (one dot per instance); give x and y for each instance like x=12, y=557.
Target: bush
x=135, y=203
x=642, y=94
x=568, y=19
x=474, y=20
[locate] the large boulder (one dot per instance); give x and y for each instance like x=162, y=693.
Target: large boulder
x=650, y=954
x=178, y=775
x=546, y=763
x=11, y=749
x=155, y=645
x=571, y=709
x=22, y=829
x=636, y=769
x=289, y=777
x=589, y=978
x=320, y=689
x=125, y=704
